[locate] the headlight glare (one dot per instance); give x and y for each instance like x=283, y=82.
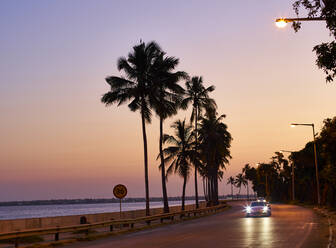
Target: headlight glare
x=265, y=209
x=248, y=209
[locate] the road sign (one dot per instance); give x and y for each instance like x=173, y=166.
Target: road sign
x=120, y=191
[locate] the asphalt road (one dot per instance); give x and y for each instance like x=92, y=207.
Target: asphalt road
x=289, y=226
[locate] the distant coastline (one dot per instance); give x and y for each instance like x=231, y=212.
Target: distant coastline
x=103, y=200
x=88, y=201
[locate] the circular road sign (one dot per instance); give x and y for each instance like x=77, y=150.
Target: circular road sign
x=120, y=191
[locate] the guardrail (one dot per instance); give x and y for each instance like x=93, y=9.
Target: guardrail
x=130, y=223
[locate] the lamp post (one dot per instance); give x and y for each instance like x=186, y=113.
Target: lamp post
x=293, y=186
x=315, y=158
x=282, y=22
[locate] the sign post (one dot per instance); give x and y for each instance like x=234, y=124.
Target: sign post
x=120, y=191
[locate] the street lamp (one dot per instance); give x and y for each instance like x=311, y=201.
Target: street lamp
x=282, y=22
x=293, y=186
x=315, y=157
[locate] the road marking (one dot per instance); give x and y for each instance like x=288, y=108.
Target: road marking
x=330, y=233
x=310, y=227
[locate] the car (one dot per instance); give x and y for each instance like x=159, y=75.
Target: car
x=258, y=208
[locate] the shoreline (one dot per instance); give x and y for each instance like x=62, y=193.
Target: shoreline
x=70, y=220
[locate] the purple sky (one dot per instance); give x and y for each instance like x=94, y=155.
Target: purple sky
x=59, y=141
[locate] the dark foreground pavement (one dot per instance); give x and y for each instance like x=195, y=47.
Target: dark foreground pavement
x=289, y=226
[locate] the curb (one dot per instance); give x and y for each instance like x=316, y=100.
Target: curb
x=325, y=212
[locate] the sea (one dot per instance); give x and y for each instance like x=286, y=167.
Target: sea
x=37, y=211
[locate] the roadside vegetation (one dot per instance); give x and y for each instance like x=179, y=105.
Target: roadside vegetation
x=325, y=52
x=149, y=83
x=272, y=179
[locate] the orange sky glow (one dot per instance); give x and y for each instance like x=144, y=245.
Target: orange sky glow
x=59, y=141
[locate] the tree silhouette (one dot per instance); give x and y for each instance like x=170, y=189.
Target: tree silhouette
x=134, y=88
x=246, y=171
x=240, y=181
x=231, y=181
x=180, y=152
x=214, y=145
x=166, y=97
x=198, y=96
x=326, y=52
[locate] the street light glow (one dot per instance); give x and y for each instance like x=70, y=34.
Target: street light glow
x=281, y=23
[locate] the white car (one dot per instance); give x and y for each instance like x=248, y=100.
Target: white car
x=258, y=208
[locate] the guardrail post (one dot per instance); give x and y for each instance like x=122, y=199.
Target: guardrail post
x=56, y=236
x=132, y=225
x=16, y=242
x=111, y=228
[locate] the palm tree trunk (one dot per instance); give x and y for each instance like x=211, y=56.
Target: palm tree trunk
x=203, y=188
x=163, y=172
x=216, y=189
x=267, y=194
x=183, y=191
x=248, y=195
x=144, y=136
x=232, y=190
x=214, y=193
x=209, y=190
x=196, y=142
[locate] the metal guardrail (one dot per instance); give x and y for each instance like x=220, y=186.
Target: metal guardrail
x=111, y=224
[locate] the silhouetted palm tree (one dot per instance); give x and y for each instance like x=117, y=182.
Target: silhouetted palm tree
x=214, y=145
x=180, y=153
x=245, y=171
x=231, y=181
x=166, y=97
x=134, y=88
x=198, y=96
x=240, y=180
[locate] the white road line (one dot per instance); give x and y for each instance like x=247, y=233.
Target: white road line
x=310, y=227
x=330, y=234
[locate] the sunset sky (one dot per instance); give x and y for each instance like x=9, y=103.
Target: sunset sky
x=57, y=140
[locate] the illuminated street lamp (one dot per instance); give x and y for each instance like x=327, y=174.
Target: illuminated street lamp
x=282, y=22
x=315, y=157
x=293, y=188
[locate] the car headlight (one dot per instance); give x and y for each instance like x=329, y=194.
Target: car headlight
x=265, y=209
x=248, y=209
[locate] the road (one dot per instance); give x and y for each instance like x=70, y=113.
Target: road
x=289, y=226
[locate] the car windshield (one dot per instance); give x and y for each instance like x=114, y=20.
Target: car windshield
x=258, y=204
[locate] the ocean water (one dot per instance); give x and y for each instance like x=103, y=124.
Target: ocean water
x=36, y=211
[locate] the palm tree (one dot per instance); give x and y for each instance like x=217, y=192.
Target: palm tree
x=231, y=181
x=134, y=87
x=180, y=153
x=240, y=180
x=214, y=145
x=246, y=171
x=165, y=98
x=266, y=170
x=198, y=96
